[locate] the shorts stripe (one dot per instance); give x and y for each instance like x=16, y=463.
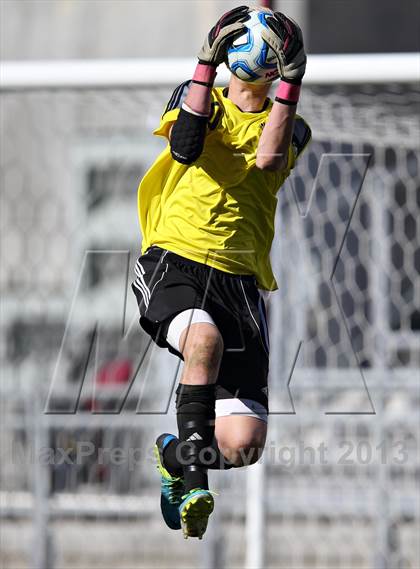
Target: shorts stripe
x=252, y=316
x=139, y=287
x=140, y=282
x=138, y=269
x=264, y=322
x=161, y=278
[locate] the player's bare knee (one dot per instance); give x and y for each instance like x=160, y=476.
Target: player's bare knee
x=204, y=349
x=243, y=456
x=241, y=452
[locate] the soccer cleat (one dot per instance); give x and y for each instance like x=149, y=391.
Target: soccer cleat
x=194, y=512
x=172, y=487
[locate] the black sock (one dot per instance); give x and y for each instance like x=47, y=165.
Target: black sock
x=213, y=458
x=195, y=415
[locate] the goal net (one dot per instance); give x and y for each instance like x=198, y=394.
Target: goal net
x=341, y=463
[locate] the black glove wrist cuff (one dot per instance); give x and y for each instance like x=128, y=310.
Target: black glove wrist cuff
x=285, y=102
x=297, y=81
x=202, y=83
x=207, y=63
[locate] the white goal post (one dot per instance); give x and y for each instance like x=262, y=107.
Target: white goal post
x=321, y=69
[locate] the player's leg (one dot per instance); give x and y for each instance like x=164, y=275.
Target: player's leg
x=202, y=349
x=166, y=288
x=241, y=423
x=196, y=336
x=242, y=391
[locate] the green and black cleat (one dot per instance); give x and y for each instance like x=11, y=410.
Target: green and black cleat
x=172, y=487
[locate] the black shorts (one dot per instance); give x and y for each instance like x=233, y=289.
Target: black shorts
x=168, y=284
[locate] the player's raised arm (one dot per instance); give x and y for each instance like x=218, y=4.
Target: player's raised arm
x=189, y=131
x=285, y=38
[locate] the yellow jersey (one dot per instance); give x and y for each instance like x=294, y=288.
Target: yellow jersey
x=219, y=210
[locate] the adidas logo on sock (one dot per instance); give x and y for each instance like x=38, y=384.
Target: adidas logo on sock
x=195, y=437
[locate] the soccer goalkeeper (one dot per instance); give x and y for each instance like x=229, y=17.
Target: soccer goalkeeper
x=207, y=208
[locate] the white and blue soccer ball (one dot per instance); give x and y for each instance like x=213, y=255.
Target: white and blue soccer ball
x=249, y=57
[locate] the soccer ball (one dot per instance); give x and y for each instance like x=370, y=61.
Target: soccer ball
x=249, y=57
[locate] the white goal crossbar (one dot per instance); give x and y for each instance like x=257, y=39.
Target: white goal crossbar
x=115, y=73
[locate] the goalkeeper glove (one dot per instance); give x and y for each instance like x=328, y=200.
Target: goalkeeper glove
x=285, y=38
x=228, y=26
x=214, y=49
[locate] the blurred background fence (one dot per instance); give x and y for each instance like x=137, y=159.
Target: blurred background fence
x=338, y=486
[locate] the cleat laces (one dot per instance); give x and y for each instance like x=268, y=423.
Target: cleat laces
x=174, y=489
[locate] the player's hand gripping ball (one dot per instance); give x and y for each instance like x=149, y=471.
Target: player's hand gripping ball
x=228, y=27
x=285, y=38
